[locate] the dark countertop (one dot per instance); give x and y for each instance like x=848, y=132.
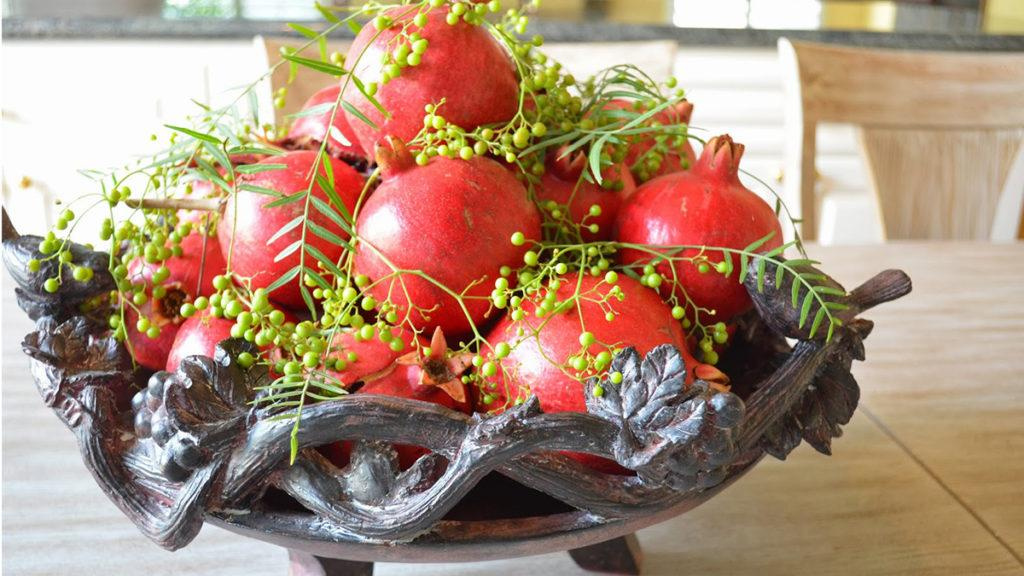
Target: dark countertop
x=160, y=29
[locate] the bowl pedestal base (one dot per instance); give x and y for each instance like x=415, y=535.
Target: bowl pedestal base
x=618, y=556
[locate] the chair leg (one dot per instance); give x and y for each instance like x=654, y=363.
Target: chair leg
x=619, y=556
x=304, y=564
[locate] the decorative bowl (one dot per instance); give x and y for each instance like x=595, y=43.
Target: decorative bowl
x=211, y=456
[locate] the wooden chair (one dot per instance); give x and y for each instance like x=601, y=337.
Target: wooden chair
x=941, y=134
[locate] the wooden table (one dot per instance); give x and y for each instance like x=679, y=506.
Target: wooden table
x=929, y=478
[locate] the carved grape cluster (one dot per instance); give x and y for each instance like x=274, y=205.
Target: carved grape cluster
x=191, y=415
x=179, y=453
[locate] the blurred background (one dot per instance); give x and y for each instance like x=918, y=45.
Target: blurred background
x=87, y=82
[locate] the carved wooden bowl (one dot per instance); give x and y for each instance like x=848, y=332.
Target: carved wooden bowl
x=192, y=449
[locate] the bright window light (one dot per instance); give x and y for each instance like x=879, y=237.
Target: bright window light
x=710, y=13
x=788, y=14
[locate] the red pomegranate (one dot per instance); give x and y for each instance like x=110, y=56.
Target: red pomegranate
x=247, y=225
x=450, y=219
x=463, y=65
x=642, y=321
x=310, y=131
x=564, y=184
x=198, y=336
x=705, y=206
x=188, y=276
x=680, y=113
x=373, y=357
x=430, y=375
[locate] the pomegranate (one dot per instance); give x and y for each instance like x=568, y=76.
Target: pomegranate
x=564, y=184
x=433, y=377
x=463, y=65
x=642, y=321
x=450, y=219
x=198, y=336
x=248, y=226
x=310, y=131
x=187, y=276
x=705, y=206
x=645, y=168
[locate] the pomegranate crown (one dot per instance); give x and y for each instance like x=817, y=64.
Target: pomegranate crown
x=721, y=156
x=392, y=156
x=681, y=112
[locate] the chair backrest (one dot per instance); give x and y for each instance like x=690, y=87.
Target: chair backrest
x=941, y=133
x=656, y=58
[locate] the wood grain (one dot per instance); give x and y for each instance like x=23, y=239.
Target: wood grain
x=945, y=372
x=941, y=132
x=921, y=178
x=943, y=377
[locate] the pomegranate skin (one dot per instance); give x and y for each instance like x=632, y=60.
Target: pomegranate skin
x=151, y=352
x=251, y=255
x=705, y=206
x=384, y=372
x=198, y=336
x=307, y=129
x=191, y=275
x=452, y=220
x=563, y=184
x=643, y=322
x=373, y=357
x=463, y=65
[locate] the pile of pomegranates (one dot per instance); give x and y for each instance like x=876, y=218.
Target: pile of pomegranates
x=453, y=218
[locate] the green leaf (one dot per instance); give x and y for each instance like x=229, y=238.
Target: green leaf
x=354, y=26
x=210, y=173
x=326, y=210
x=753, y=246
x=254, y=107
x=780, y=272
x=761, y=264
x=291, y=225
x=259, y=190
x=307, y=298
x=806, y=308
x=818, y=317
x=328, y=235
x=288, y=250
x=251, y=149
x=219, y=155
x=257, y=168
x=796, y=292
x=194, y=134
x=320, y=281
x=323, y=259
x=778, y=250
x=336, y=202
x=317, y=65
x=307, y=32
x=285, y=200
x=314, y=111
x=744, y=267
x=326, y=13
x=362, y=117
x=370, y=97
x=284, y=279
x=830, y=291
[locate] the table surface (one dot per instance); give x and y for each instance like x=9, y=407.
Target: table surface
x=926, y=480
